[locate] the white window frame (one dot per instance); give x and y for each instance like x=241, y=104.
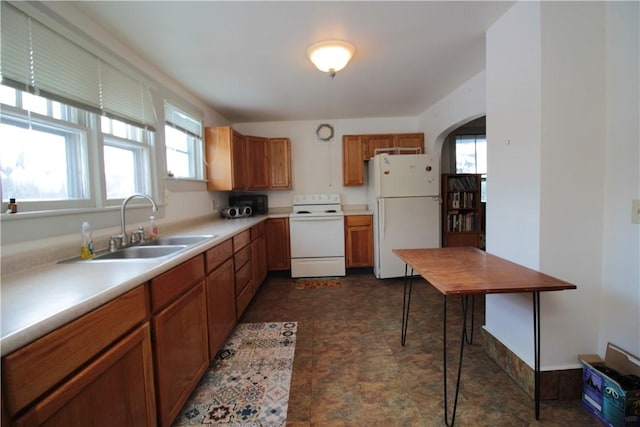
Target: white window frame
x=190, y=127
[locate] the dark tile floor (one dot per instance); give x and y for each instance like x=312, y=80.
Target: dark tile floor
x=351, y=370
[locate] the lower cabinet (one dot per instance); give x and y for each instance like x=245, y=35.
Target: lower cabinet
x=243, y=272
x=114, y=390
x=181, y=349
x=277, y=241
x=221, y=295
x=96, y=370
x=258, y=255
x=358, y=241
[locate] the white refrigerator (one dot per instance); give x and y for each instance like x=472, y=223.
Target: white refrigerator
x=404, y=196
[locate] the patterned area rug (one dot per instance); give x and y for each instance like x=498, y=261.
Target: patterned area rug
x=318, y=283
x=248, y=383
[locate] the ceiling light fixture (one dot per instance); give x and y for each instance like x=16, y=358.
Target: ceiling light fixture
x=331, y=56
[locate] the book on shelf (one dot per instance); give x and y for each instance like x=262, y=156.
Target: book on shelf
x=462, y=183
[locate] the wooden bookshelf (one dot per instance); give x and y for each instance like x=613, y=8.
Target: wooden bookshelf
x=461, y=210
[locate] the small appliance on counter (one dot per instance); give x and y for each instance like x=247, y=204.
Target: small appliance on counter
x=236, y=212
x=257, y=202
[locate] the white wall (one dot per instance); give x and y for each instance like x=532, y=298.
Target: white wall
x=552, y=117
x=464, y=104
x=620, y=291
x=316, y=166
x=513, y=163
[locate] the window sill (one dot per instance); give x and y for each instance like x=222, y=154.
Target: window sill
x=185, y=184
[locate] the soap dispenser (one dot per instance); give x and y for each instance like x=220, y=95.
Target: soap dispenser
x=86, y=250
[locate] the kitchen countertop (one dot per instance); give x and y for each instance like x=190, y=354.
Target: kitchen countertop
x=39, y=300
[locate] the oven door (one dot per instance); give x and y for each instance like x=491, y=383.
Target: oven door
x=316, y=236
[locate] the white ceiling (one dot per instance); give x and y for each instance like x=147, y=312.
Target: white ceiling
x=247, y=59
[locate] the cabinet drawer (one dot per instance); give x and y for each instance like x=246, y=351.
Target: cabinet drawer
x=243, y=277
x=242, y=257
x=243, y=300
x=218, y=254
x=357, y=220
x=30, y=371
x=168, y=286
x=257, y=230
x=241, y=240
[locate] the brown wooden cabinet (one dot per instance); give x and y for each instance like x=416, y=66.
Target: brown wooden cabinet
x=373, y=142
x=277, y=241
x=257, y=162
x=221, y=296
x=358, y=231
x=356, y=149
x=226, y=159
x=352, y=160
x=243, y=272
x=258, y=255
x=409, y=140
x=238, y=162
x=461, y=210
x=114, y=390
x=179, y=325
x=75, y=373
x=280, y=163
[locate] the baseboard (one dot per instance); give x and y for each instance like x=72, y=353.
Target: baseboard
x=554, y=385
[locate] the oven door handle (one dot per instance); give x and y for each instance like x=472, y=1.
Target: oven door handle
x=317, y=218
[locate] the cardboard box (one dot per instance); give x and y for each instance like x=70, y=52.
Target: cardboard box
x=602, y=393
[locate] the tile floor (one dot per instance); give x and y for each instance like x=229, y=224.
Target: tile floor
x=351, y=370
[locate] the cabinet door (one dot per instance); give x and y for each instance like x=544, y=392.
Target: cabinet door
x=352, y=160
x=257, y=165
x=277, y=242
x=372, y=142
x=359, y=241
x=114, y=390
x=258, y=261
x=410, y=140
x=280, y=163
x=221, y=305
x=238, y=161
x=181, y=351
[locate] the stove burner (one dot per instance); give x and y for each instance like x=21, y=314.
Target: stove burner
x=303, y=212
x=330, y=211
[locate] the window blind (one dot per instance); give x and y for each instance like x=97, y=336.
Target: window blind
x=37, y=59
x=183, y=121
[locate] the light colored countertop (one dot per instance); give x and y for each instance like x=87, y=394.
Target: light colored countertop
x=39, y=300
x=356, y=210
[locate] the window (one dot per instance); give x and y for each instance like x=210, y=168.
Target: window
x=45, y=154
x=126, y=153
x=75, y=130
x=183, y=140
x=471, y=157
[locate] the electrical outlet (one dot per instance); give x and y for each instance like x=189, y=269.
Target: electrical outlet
x=635, y=211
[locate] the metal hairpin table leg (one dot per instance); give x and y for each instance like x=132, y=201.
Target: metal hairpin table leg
x=536, y=350
x=406, y=302
x=463, y=339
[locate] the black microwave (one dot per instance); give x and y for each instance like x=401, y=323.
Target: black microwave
x=257, y=202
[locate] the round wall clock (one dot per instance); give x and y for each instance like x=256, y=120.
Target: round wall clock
x=325, y=132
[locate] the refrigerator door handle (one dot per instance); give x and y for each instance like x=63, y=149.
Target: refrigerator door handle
x=381, y=212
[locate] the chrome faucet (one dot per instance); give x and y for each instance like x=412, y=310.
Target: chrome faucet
x=123, y=230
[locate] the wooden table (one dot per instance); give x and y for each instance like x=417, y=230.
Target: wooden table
x=466, y=271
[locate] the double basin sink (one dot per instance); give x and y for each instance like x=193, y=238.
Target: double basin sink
x=161, y=247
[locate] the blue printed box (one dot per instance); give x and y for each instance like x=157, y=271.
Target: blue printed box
x=603, y=395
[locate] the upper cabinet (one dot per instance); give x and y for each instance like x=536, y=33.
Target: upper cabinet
x=238, y=162
x=225, y=154
x=280, y=163
x=356, y=149
x=257, y=156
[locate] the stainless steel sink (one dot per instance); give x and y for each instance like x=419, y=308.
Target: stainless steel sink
x=177, y=240
x=141, y=252
x=162, y=247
